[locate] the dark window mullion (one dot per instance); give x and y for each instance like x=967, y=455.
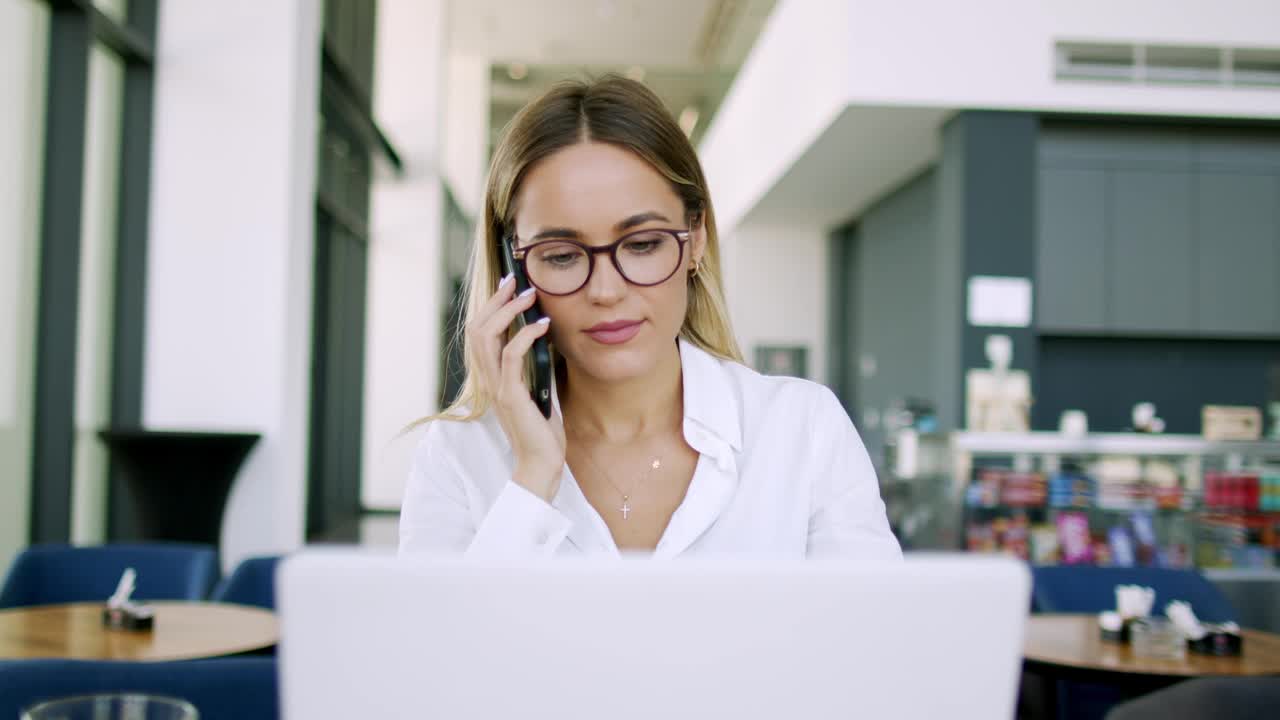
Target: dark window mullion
x=53, y=439
x=132, y=237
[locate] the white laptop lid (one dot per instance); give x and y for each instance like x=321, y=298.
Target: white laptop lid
x=376, y=637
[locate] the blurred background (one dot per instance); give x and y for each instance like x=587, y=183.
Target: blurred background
x=1032, y=246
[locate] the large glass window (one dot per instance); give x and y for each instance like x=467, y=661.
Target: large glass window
x=97, y=288
x=24, y=49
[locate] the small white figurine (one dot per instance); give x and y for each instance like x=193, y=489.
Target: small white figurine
x=999, y=399
x=1145, y=420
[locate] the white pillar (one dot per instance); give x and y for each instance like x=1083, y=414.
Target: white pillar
x=466, y=130
x=229, y=284
x=405, y=292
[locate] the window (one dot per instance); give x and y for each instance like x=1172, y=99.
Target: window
x=24, y=49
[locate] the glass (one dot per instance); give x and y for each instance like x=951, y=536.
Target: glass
x=24, y=50
x=126, y=706
x=95, y=322
x=563, y=267
x=1157, y=638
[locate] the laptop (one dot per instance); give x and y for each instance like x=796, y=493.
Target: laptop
x=367, y=636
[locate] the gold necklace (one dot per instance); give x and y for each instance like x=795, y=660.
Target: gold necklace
x=625, y=508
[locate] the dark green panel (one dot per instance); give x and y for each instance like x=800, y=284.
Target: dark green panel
x=998, y=222
x=1238, y=248
x=1071, y=250
x=55, y=375
x=128, y=345
x=1151, y=276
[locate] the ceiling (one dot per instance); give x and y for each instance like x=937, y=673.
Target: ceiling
x=687, y=51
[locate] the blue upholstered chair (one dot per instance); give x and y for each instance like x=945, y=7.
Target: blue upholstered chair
x=253, y=582
x=236, y=688
x=45, y=574
x=1082, y=589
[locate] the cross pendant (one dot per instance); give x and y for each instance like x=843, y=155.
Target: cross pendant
x=626, y=507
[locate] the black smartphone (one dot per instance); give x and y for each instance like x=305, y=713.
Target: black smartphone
x=541, y=350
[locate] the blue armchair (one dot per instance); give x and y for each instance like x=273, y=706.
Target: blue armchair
x=45, y=574
x=1082, y=589
x=237, y=688
x=253, y=582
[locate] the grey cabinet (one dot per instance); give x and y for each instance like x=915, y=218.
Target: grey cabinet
x=1151, y=274
x=1144, y=231
x=1238, y=231
x=1071, y=262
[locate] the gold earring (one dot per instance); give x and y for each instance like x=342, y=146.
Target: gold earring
x=697, y=266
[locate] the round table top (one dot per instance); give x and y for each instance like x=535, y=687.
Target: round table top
x=181, y=631
x=1074, y=641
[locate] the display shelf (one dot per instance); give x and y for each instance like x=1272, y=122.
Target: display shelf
x=1188, y=489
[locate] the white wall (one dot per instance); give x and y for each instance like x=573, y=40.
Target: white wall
x=791, y=87
x=776, y=287
x=999, y=53
x=229, y=285
x=405, y=295
x=466, y=129
x=24, y=32
x=817, y=57
x=841, y=100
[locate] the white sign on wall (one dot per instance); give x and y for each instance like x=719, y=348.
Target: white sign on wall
x=999, y=301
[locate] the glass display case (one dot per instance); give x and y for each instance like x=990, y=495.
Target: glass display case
x=1108, y=499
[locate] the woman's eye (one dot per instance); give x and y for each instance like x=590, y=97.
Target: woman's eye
x=560, y=259
x=641, y=247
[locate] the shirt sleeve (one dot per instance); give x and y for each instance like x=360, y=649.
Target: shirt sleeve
x=444, y=513
x=847, y=516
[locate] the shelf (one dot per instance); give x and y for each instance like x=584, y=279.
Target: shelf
x=1051, y=443
x=1251, y=574
x=1088, y=508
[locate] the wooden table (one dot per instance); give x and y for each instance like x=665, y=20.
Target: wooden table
x=1073, y=642
x=182, y=631
x=1069, y=647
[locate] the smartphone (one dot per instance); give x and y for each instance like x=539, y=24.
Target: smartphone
x=541, y=350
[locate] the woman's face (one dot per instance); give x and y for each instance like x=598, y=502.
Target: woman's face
x=595, y=193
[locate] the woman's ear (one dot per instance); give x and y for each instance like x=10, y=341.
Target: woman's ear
x=697, y=240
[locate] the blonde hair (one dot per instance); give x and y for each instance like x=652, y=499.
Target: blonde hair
x=621, y=112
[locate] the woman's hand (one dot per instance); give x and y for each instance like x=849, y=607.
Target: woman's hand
x=537, y=442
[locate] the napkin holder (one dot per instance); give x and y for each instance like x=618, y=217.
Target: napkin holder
x=121, y=613
x=1218, y=641
x=128, y=616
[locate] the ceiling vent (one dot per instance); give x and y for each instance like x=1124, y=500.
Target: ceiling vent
x=1195, y=65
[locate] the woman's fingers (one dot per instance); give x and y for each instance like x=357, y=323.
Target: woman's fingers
x=500, y=319
x=512, y=367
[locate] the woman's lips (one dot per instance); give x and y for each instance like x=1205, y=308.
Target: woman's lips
x=614, y=333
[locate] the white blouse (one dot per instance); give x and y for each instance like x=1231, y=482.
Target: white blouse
x=781, y=472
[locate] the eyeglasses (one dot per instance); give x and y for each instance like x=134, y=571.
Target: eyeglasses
x=563, y=267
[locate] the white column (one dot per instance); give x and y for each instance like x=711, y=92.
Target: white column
x=229, y=284
x=405, y=300
x=466, y=130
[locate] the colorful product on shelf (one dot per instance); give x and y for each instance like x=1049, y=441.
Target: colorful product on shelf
x=1144, y=536
x=1023, y=489
x=1121, y=545
x=1234, y=540
x=1270, y=495
x=1073, y=538
x=1235, y=491
x=1005, y=535
x=1071, y=490
x=1044, y=544
x=1000, y=487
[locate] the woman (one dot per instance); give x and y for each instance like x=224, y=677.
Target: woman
x=660, y=439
